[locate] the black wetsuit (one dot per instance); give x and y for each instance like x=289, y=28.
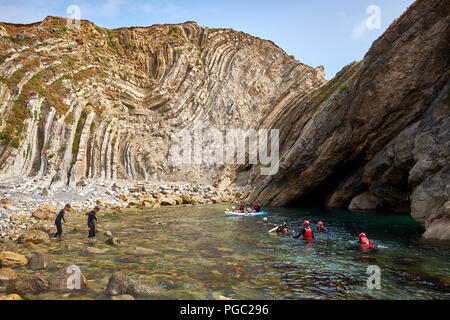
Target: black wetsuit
x=92, y=219
x=257, y=208
x=58, y=223
x=322, y=229
x=302, y=233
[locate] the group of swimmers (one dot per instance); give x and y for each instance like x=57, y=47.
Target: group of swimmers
x=92, y=222
x=308, y=235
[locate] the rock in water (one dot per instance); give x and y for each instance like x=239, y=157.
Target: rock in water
x=11, y=297
x=12, y=259
x=45, y=212
x=40, y=261
x=143, y=251
x=119, y=285
x=34, y=236
x=113, y=242
x=68, y=278
x=94, y=250
x=122, y=297
x=27, y=284
x=7, y=274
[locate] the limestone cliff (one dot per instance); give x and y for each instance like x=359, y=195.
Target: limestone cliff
x=98, y=103
x=377, y=135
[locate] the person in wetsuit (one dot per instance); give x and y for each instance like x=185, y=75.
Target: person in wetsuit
x=365, y=243
x=92, y=221
x=320, y=227
x=283, y=228
x=306, y=232
x=256, y=208
x=242, y=208
x=61, y=216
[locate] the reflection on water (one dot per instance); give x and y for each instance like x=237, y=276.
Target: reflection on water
x=201, y=254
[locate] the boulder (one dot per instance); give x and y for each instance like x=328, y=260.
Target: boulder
x=365, y=201
x=11, y=297
x=165, y=201
x=45, y=212
x=40, y=261
x=34, y=236
x=7, y=274
x=12, y=259
x=68, y=278
x=120, y=284
x=122, y=297
x=113, y=241
x=27, y=284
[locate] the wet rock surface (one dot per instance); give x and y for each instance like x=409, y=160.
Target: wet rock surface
x=120, y=284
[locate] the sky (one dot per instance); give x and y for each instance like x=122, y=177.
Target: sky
x=316, y=32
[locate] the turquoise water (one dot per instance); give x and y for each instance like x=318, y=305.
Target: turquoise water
x=199, y=253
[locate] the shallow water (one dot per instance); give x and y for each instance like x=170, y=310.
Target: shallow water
x=202, y=254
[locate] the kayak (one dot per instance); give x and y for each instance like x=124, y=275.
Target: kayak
x=250, y=214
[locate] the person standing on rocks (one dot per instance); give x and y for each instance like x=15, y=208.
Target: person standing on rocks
x=61, y=216
x=92, y=221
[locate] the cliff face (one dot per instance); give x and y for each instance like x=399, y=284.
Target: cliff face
x=101, y=104
x=98, y=103
x=377, y=135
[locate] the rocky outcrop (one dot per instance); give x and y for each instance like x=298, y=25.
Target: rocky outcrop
x=45, y=212
x=119, y=284
x=88, y=101
x=376, y=136
x=34, y=236
x=12, y=259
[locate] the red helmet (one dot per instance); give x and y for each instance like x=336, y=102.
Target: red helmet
x=362, y=235
x=320, y=223
x=306, y=223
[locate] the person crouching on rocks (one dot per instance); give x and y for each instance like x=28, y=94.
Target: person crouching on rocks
x=61, y=216
x=92, y=221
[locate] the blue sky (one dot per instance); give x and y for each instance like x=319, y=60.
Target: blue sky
x=317, y=32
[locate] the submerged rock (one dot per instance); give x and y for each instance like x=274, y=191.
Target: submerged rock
x=120, y=284
x=113, y=242
x=122, y=297
x=27, y=284
x=143, y=251
x=94, y=250
x=68, y=278
x=11, y=297
x=7, y=274
x=40, y=261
